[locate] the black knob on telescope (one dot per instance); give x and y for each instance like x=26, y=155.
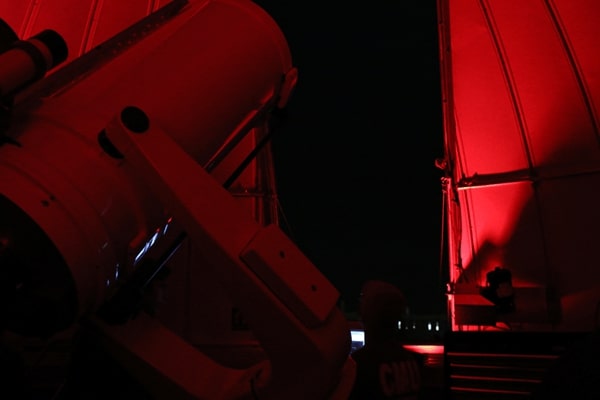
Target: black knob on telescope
x=55, y=44
x=26, y=61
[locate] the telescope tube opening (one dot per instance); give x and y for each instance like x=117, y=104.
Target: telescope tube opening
x=37, y=294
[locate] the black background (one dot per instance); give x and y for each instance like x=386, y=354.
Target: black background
x=354, y=157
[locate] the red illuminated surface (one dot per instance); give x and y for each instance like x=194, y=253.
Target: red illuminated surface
x=425, y=348
x=521, y=86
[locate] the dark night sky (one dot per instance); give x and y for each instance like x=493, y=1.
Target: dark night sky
x=354, y=158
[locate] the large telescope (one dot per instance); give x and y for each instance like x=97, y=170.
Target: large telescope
x=108, y=163
x=93, y=215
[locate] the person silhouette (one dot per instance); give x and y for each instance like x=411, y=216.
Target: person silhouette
x=385, y=369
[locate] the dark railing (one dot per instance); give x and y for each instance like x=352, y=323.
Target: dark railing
x=500, y=365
